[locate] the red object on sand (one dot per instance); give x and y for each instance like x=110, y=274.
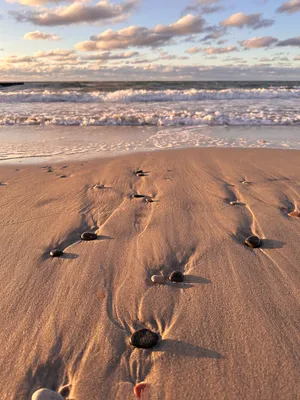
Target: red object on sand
x=138, y=389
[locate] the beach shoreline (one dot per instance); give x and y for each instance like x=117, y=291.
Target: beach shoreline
x=230, y=330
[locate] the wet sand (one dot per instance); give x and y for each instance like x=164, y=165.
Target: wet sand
x=230, y=330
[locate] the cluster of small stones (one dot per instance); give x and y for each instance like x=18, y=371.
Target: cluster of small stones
x=175, y=276
x=142, y=338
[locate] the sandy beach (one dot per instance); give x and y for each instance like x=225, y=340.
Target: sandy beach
x=230, y=330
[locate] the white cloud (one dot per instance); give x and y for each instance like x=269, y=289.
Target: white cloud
x=135, y=36
x=212, y=50
x=104, y=11
x=54, y=53
x=37, y=35
x=258, y=42
x=290, y=7
x=37, y=71
x=107, y=55
x=17, y=59
x=37, y=2
x=204, y=7
x=254, y=21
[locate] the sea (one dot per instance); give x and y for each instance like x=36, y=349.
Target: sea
x=77, y=120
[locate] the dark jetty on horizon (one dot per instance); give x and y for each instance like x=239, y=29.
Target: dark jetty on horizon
x=5, y=84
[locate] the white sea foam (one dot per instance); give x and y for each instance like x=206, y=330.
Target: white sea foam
x=132, y=95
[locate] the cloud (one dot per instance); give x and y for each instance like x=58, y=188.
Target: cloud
x=297, y=58
x=258, y=42
x=212, y=50
x=54, y=53
x=204, y=7
x=37, y=71
x=17, y=59
x=290, y=7
x=295, y=41
x=77, y=12
x=135, y=36
x=215, y=33
x=37, y=35
x=184, y=26
x=254, y=21
x=36, y=2
x=107, y=55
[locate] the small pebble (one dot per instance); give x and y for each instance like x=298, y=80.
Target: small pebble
x=65, y=391
x=56, y=253
x=138, y=171
x=176, y=276
x=138, y=196
x=158, y=279
x=149, y=200
x=144, y=339
x=252, y=241
x=63, y=176
x=89, y=236
x=98, y=187
x=235, y=203
x=295, y=214
x=46, y=394
x=138, y=389
x=246, y=182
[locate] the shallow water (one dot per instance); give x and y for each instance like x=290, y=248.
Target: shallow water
x=27, y=144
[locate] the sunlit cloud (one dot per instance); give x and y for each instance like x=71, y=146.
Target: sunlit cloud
x=241, y=20
x=104, y=11
x=290, y=7
x=135, y=36
x=258, y=42
x=37, y=35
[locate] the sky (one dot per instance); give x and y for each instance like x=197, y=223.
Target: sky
x=45, y=40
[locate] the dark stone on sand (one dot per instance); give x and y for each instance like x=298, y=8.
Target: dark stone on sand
x=138, y=196
x=144, y=339
x=65, y=391
x=176, y=276
x=253, y=241
x=63, y=176
x=56, y=253
x=138, y=171
x=89, y=236
x=141, y=174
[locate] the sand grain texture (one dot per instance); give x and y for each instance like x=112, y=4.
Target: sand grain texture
x=229, y=331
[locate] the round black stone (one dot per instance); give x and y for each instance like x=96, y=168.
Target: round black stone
x=144, y=339
x=253, y=241
x=176, y=276
x=56, y=253
x=88, y=236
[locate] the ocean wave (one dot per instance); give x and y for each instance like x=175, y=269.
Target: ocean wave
x=163, y=118
x=132, y=96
